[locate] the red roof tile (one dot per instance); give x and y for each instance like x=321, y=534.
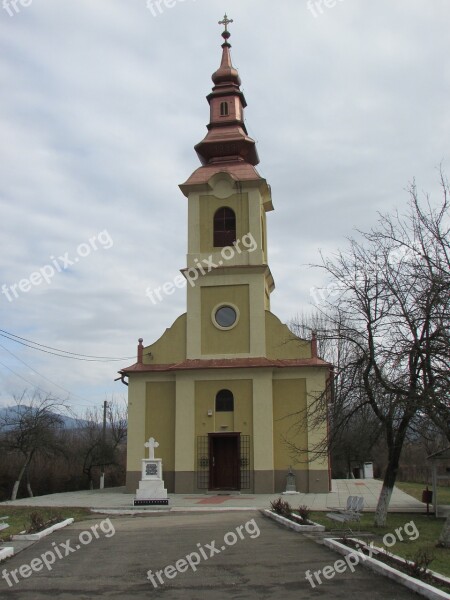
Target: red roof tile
x=241, y=171
x=228, y=363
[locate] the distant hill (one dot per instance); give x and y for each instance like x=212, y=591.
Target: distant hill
x=67, y=422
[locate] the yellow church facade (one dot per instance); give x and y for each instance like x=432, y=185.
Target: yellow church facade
x=226, y=386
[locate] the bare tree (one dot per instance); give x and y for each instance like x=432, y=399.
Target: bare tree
x=353, y=429
x=117, y=419
x=391, y=308
x=31, y=427
x=94, y=450
x=424, y=238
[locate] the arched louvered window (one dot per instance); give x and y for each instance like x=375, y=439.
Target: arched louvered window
x=224, y=227
x=224, y=109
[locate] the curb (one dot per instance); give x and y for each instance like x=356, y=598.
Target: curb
x=32, y=537
x=420, y=587
x=6, y=553
x=442, y=578
x=291, y=525
x=172, y=509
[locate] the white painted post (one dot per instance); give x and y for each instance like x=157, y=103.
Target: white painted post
x=435, y=490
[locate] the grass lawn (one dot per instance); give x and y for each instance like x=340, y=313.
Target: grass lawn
x=19, y=517
x=415, y=490
x=429, y=530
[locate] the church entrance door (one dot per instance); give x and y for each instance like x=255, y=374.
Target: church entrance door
x=224, y=453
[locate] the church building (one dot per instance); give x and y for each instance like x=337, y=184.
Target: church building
x=225, y=390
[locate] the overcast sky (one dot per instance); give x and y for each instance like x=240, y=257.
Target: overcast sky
x=102, y=102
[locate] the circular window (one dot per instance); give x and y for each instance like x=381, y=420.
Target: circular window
x=225, y=316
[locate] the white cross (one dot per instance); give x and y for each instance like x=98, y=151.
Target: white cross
x=151, y=445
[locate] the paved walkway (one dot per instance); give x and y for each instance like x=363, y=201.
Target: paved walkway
x=147, y=558
x=116, y=499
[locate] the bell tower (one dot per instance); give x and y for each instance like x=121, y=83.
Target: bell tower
x=229, y=280
x=228, y=388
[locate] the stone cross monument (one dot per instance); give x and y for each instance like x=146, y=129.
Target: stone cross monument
x=151, y=490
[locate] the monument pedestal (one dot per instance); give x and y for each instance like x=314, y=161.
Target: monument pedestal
x=291, y=487
x=151, y=491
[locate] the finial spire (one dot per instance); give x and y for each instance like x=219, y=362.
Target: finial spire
x=226, y=21
x=227, y=140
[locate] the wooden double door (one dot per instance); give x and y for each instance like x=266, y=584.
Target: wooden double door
x=224, y=461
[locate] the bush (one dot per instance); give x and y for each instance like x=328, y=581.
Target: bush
x=420, y=561
x=281, y=507
x=38, y=523
x=303, y=513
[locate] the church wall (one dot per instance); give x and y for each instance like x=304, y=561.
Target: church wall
x=263, y=432
x=256, y=224
x=237, y=276
x=214, y=340
x=318, y=476
x=136, y=425
x=171, y=346
x=185, y=433
x=289, y=397
x=239, y=420
x=176, y=408
x=173, y=406
x=160, y=424
x=250, y=218
x=243, y=407
x=282, y=343
x=264, y=236
x=209, y=205
x=313, y=477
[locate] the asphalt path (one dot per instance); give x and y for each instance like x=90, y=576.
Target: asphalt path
x=222, y=555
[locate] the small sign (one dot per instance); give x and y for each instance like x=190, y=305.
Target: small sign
x=151, y=469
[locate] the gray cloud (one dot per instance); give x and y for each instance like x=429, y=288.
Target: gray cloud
x=102, y=104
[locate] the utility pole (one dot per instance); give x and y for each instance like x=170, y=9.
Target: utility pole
x=102, y=474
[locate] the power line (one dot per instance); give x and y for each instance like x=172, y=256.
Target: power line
x=44, y=377
x=23, y=379
x=37, y=387
x=61, y=353
x=53, y=353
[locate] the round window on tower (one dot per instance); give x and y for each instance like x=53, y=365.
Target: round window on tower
x=225, y=316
